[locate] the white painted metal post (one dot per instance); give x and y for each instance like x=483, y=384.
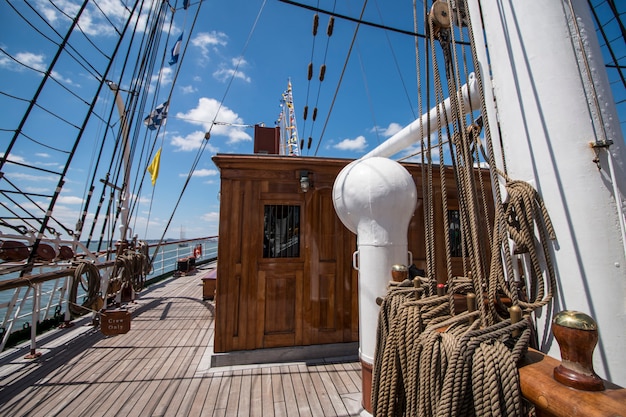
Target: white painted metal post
x=34, y=319
x=546, y=67
x=375, y=198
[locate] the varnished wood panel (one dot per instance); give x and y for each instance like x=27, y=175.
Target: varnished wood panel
x=251, y=289
x=279, y=304
x=327, y=227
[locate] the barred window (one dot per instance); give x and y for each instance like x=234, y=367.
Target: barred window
x=454, y=223
x=281, y=231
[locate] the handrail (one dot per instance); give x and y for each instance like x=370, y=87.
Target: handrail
x=45, y=296
x=28, y=280
x=553, y=399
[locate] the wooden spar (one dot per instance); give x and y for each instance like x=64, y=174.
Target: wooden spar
x=125, y=230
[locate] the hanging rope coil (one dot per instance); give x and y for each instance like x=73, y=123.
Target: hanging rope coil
x=527, y=224
x=92, y=288
x=132, y=267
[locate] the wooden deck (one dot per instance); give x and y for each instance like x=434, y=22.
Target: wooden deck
x=162, y=367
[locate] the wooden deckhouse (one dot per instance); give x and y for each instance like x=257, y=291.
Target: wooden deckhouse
x=285, y=275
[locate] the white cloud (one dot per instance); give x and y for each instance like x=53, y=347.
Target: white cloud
x=213, y=216
x=234, y=70
x=357, y=144
x=224, y=74
x=37, y=178
x=69, y=200
x=15, y=158
x=390, y=130
x=202, y=173
x=204, y=114
x=24, y=60
x=164, y=77
x=36, y=61
x=188, y=89
x=92, y=21
x=205, y=172
x=206, y=40
x=191, y=142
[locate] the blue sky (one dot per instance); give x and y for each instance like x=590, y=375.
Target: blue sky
x=243, y=73
x=279, y=49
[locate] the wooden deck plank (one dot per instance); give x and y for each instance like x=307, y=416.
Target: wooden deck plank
x=141, y=372
x=353, y=370
x=344, y=373
x=223, y=394
x=190, y=359
x=165, y=349
x=243, y=407
x=211, y=400
x=129, y=373
x=161, y=368
x=322, y=395
x=280, y=409
x=186, y=390
x=333, y=390
x=299, y=392
x=232, y=405
x=72, y=380
x=313, y=399
x=256, y=393
x=166, y=375
x=268, y=392
x=336, y=379
x=166, y=399
x=199, y=396
x=289, y=394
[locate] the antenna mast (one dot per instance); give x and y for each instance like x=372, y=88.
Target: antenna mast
x=287, y=120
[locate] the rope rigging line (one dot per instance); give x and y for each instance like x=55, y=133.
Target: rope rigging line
x=367, y=93
x=139, y=79
x=355, y=20
x=83, y=62
x=308, y=87
x=207, y=135
x=396, y=63
x=431, y=360
x=343, y=71
x=329, y=32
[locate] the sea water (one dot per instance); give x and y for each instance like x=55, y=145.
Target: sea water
x=164, y=261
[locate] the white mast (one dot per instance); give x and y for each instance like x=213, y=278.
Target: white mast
x=560, y=132
x=288, y=129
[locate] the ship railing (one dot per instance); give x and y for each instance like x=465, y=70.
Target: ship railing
x=552, y=398
x=39, y=301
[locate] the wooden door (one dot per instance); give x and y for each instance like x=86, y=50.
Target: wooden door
x=279, y=305
x=329, y=297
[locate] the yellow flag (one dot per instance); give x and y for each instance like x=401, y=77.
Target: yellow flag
x=153, y=168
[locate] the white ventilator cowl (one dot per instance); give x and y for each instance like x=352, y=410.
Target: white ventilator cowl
x=375, y=199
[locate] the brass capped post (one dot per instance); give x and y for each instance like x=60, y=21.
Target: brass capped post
x=577, y=335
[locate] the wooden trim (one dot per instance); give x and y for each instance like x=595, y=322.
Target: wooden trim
x=554, y=399
x=366, y=386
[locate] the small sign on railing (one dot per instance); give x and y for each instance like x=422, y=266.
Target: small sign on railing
x=113, y=322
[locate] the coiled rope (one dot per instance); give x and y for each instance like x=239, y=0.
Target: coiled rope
x=431, y=363
x=131, y=268
x=93, y=289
